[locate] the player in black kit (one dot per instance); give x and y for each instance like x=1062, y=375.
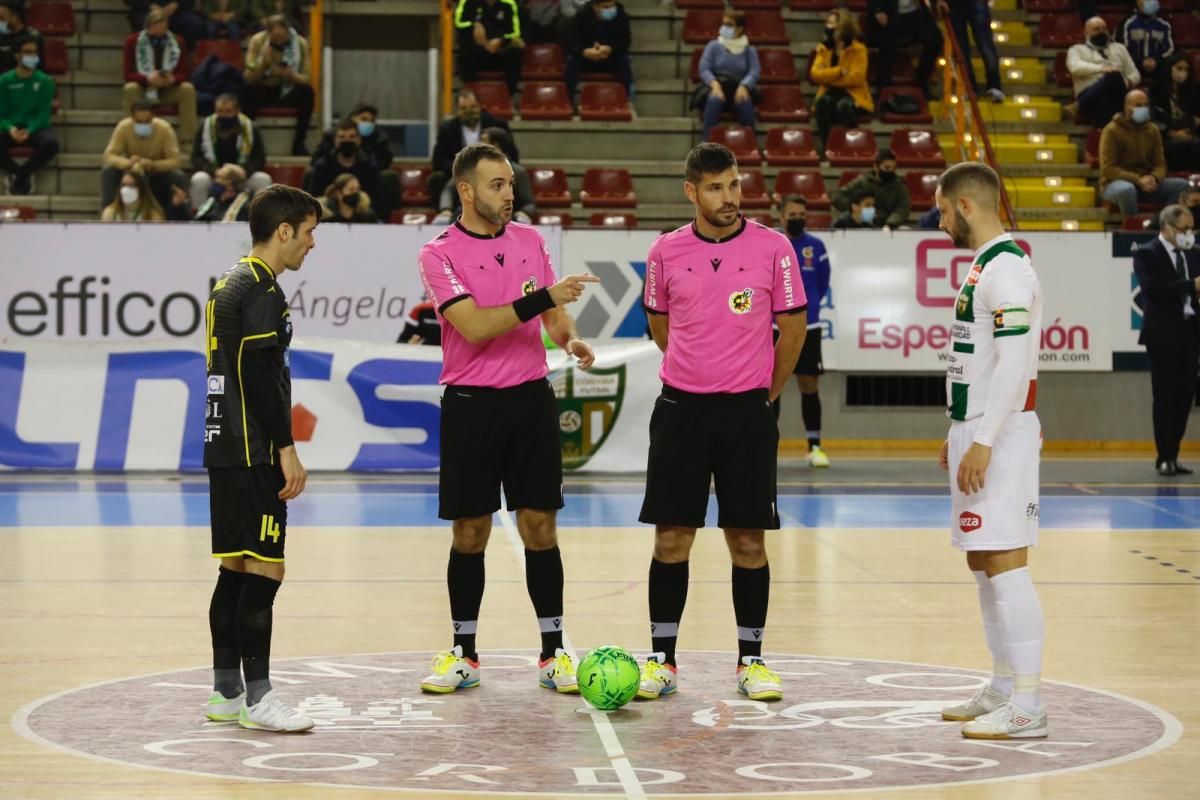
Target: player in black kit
x=253, y=469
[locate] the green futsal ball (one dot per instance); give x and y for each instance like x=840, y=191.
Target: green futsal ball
x=608, y=677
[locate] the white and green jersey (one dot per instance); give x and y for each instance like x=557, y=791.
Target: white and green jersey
x=993, y=359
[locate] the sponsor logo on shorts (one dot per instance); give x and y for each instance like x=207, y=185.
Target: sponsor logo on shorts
x=740, y=302
x=969, y=522
x=216, y=384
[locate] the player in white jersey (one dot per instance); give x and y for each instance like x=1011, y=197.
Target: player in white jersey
x=993, y=449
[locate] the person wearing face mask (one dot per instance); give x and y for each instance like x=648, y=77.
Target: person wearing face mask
x=228, y=197
x=278, y=73
x=601, y=44
x=12, y=30
x=134, y=202
x=892, y=202
x=227, y=137
x=144, y=145
x=729, y=71
x=26, y=103
x=347, y=157
x=1133, y=166
x=1102, y=72
x=840, y=71
x=345, y=201
x=156, y=69
x=377, y=147
x=1168, y=272
x=1148, y=38
x=1175, y=105
x=861, y=215
x=465, y=128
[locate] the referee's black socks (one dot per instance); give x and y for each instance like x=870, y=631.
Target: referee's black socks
x=254, y=615
x=668, y=595
x=544, y=580
x=222, y=624
x=751, y=594
x=810, y=410
x=465, y=579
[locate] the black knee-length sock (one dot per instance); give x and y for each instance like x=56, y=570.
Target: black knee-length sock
x=544, y=580
x=254, y=616
x=751, y=593
x=465, y=580
x=222, y=624
x=668, y=596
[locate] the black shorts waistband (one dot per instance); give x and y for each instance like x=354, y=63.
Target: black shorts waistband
x=753, y=395
x=520, y=387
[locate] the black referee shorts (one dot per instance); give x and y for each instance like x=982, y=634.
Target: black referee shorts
x=696, y=438
x=809, y=362
x=493, y=437
x=248, y=518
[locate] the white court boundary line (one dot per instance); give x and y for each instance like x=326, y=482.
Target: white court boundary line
x=626, y=774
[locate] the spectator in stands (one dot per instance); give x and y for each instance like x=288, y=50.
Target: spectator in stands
x=375, y=145
x=892, y=203
x=1133, y=167
x=26, y=103
x=145, y=146
x=524, y=206
x=227, y=137
x=229, y=198
x=156, y=71
x=861, y=213
x=464, y=128
x=1147, y=37
x=223, y=19
x=840, y=71
x=976, y=15
x=601, y=44
x=1189, y=198
x=1176, y=104
x=494, y=43
x=1102, y=71
x=277, y=74
x=261, y=11
x=347, y=157
x=896, y=23
x=422, y=325
x=12, y=30
x=729, y=69
x=180, y=14
x=345, y=201
x=133, y=203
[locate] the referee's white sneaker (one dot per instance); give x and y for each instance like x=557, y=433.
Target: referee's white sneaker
x=757, y=682
x=558, y=673
x=1008, y=722
x=272, y=714
x=225, y=709
x=817, y=458
x=451, y=672
x=985, y=701
x=657, y=678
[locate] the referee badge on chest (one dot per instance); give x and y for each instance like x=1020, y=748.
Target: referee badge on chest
x=530, y=286
x=740, y=302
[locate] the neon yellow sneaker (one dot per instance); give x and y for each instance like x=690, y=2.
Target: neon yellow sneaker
x=657, y=678
x=757, y=682
x=817, y=458
x=451, y=672
x=225, y=709
x=558, y=673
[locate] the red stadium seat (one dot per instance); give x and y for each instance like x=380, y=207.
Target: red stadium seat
x=613, y=219
x=607, y=188
x=1060, y=30
x=1138, y=222
x=409, y=217
x=922, y=117
x=921, y=186
x=783, y=103
x=805, y=182
x=790, y=147
x=17, y=214
x=766, y=27
x=604, y=101
x=545, y=101
x=51, y=18
x=754, y=189
x=1062, y=76
x=1048, y=6
x=1091, y=150
x=740, y=140
x=686, y=4
x=700, y=25
x=271, y=111
x=287, y=174
x=778, y=65
x=847, y=176
x=414, y=186
x=227, y=51
x=827, y=5
x=917, y=148
x=1185, y=30
x=816, y=222
x=561, y=218
x=493, y=95
x=58, y=62
x=765, y=219
x=543, y=62
x=851, y=147
x=550, y=188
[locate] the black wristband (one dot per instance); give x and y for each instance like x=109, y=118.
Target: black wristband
x=531, y=305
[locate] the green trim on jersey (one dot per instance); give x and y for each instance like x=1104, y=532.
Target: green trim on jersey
x=964, y=347
x=958, y=401
x=964, y=309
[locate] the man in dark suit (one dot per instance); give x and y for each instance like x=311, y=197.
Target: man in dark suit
x=898, y=23
x=464, y=128
x=1168, y=271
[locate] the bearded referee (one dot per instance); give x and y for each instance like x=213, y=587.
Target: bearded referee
x=253, y=469
x=494, y=288
x=713, y=289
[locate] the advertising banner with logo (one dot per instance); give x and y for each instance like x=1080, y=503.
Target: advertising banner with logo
x=356, y=406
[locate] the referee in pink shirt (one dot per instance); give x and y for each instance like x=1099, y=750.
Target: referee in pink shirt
x=493, y=286
x=713, y=289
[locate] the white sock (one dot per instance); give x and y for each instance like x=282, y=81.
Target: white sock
x=1024, y=632
x=1002, y=672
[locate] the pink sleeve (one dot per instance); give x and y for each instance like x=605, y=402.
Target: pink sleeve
x=654, y=296
x=442, y=281
x=788, y=292
x=548, y=276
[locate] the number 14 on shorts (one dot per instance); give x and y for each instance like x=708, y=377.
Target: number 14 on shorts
x=269, y=528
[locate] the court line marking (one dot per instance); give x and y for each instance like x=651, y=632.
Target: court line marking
x=631, y=785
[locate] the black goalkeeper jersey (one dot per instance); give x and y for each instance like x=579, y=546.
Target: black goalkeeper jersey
x=246, y=311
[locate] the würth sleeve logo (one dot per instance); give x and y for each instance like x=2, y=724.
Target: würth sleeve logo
x=740, y=302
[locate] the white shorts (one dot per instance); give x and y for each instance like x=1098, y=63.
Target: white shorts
x=1004, y=516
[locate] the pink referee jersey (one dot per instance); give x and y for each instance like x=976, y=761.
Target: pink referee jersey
x=721, y=298
x=494, y=271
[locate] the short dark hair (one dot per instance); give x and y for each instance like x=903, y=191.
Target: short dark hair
x=738, y=16
x=14, y=8
x=862, y=194
x=971, y=177
x=466, y=92
x=367, y=107
x=276, y=205
x=278, y=21
x=795, y=199
x=228, y=97
x=24, y=39
x=141, y=105
x=469, y=157
x=708, y=158
x=502, y=141
x=883, y=155
x=346, y=124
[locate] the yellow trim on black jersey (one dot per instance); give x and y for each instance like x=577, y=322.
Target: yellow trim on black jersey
x=250, y=553
x=242, y=389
